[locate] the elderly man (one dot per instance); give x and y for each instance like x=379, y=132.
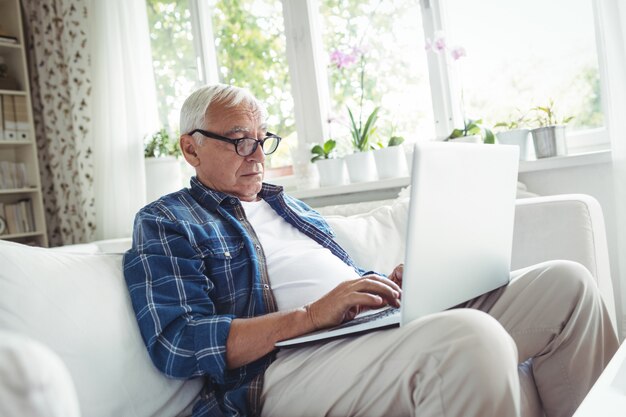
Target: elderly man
x=221, y=271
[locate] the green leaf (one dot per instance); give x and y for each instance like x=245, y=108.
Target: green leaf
x=489, y=137
x=474, y=130
x=395, y=140
x=355, y=131
x=317, y=149
x=368, y=130
x=329, y=146
x=456, y=133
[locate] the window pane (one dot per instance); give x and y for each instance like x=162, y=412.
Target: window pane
x=251, y=53
x=522, y=54
x=173, y=57
x=389, y=37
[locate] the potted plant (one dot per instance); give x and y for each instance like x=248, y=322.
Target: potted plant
x=549, y=136
x=472, y=132
x=516, y=133
x=332, y=170
x=361, y=165
x=163, y=170
x=391, y=159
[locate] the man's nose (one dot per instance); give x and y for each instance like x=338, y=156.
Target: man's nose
x=257, y=155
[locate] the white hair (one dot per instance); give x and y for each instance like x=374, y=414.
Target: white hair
x=195, y=110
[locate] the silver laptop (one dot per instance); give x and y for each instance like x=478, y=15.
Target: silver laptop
x=459, y=236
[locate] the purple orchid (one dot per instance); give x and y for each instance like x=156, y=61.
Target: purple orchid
x=457, y=52
x=343, y=60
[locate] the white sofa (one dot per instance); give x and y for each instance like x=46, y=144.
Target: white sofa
x=74, y=303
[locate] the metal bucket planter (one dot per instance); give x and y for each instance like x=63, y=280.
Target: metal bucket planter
x=549, y=141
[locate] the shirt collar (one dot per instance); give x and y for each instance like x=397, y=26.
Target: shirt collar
x=212, y=199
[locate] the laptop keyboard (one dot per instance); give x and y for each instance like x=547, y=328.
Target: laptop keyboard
x=369, y=317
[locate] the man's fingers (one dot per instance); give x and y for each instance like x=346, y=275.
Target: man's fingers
x=381, y=281
x=383, y=289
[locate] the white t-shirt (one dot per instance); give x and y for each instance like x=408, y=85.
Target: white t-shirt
x=300, y=269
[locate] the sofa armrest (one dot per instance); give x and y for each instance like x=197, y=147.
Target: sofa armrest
x=567, y=227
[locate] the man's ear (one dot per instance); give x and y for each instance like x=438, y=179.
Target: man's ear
x=189, y=147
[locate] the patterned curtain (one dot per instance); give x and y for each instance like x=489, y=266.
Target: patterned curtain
x=60, y=84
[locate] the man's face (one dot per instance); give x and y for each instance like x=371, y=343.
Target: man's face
x=218, y=166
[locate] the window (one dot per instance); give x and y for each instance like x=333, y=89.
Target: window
x=249, y=47
x=522, y=54
x=519, y=55
x=384, y=42
x=251, y=53
x=173, y=57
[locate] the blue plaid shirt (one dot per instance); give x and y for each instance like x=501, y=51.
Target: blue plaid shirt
x=194, y=266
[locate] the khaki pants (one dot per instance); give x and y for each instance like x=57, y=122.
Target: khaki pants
x=461, y=362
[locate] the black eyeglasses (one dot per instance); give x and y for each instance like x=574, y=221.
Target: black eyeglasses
x=246, y=146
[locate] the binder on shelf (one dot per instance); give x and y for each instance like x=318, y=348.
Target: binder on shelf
x=10, y=122
x=22, y=126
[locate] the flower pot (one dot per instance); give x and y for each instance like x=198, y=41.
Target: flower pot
x=408, y=152
x=518, y=137
x=332, y=172
x=163, y=176
x=467, y=139
x=390, y=162
x=361, y=166
x=549, y=141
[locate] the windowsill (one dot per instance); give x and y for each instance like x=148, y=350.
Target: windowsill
x=569, y=161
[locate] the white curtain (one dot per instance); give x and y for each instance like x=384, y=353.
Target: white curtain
x=124, y=110
x=613, y=17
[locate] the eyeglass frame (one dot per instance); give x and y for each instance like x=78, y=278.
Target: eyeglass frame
x=236, y=142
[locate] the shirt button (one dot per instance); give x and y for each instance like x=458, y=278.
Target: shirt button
x=257, y=247
x=227, y=254
x=233, y=201
x=267, y=287
x=242, y=218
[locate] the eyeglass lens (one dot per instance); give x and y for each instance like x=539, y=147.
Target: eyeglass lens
x=247, y=146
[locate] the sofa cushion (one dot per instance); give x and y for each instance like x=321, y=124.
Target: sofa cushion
x=78, y=305
x=381, y=231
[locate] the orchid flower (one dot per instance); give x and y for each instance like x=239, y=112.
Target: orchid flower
x=341, y=59
x=457, y=52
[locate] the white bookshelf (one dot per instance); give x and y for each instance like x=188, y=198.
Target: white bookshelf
x=20, y=151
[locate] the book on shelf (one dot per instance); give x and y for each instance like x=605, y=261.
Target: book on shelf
x=19, y=217
x=8, y=39
x=13, y=175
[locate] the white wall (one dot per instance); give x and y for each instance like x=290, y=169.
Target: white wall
x=598, y=181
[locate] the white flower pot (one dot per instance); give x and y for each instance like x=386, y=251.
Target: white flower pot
x=361, y=167
x=467, y=139
x=390, y=162
x=518, y=137
x=163, y=176
x=332, y=172
x=408, y=152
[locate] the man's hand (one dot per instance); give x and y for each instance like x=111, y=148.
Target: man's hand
x=396, y=275
x=350, y=297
